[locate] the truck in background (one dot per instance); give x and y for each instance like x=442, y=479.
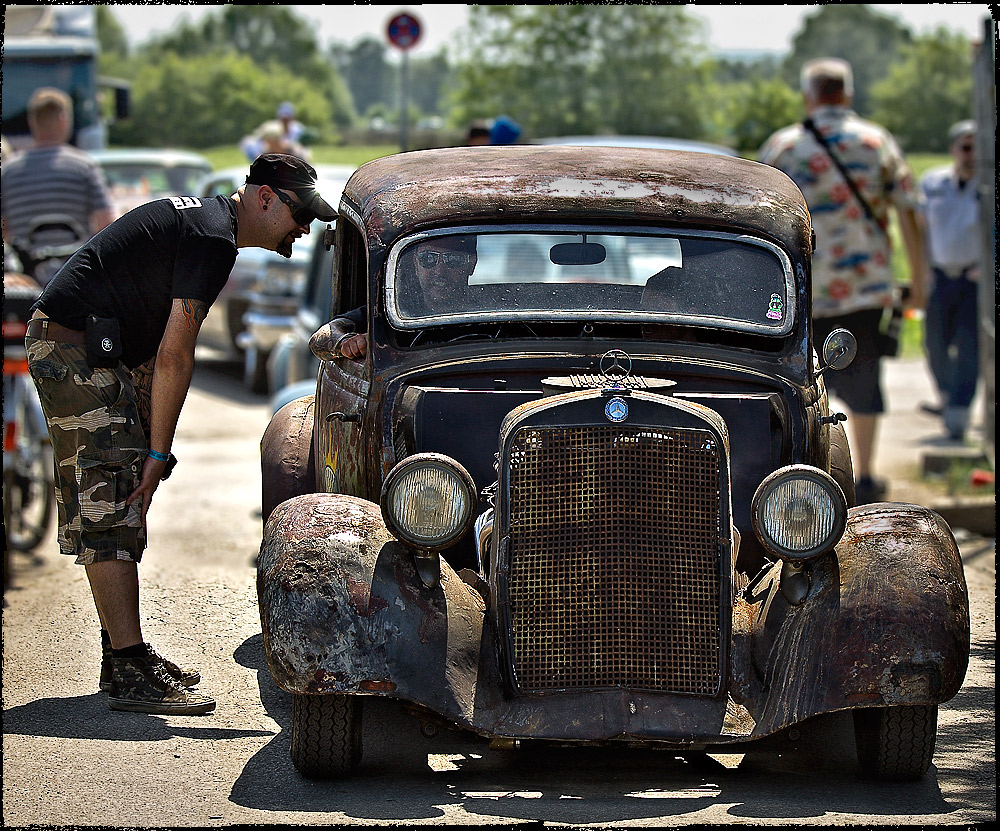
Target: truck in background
x=57, y=46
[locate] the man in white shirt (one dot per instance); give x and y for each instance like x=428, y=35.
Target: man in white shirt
x=951, y=214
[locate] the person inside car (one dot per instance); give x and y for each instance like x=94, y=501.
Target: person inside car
x=432, y=275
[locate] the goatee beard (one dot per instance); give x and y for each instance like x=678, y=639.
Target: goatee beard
x=285, y=248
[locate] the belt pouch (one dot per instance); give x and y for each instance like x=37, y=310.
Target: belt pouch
x=104, y=341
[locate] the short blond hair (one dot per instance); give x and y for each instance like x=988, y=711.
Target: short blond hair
x=827, y=80
x=48, y=102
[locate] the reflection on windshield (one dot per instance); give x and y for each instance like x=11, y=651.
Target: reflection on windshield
x=718, y=280
x=152, y=180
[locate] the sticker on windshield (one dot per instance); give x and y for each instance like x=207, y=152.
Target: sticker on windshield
x=775, y=310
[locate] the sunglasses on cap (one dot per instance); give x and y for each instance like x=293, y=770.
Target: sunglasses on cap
x=301, y=215
x=451, y=259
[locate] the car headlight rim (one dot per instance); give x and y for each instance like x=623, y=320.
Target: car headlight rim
x=428, y=501
x=799, y=513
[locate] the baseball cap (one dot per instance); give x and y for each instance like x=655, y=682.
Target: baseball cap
x=962, y=129
x=280, y=170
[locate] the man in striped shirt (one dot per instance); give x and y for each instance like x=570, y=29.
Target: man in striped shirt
x=52, y=181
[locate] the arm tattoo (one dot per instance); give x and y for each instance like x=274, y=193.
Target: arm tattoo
x=195, y=312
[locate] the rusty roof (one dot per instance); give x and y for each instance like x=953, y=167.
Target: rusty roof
x=410, y=191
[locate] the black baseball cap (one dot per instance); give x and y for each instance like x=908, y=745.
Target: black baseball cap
x=279, y=170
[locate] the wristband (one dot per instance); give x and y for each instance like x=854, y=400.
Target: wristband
x=160, y=457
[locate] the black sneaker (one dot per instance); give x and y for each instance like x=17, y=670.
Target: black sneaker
x=185, y=677
x=143, y=685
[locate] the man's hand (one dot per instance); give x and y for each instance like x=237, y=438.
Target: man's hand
x=152, y=473
x=354, y=347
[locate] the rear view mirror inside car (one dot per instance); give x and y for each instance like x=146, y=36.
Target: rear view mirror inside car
x=577, y=253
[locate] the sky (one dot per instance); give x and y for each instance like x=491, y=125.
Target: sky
x=730, y=28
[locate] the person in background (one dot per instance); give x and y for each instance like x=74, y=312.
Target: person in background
x=52, y=178
x=504, y=130
x=951, y=330
x=111, y=349
x=282, y=134
x=851, y=266
x=478, y=135
x=291, y=130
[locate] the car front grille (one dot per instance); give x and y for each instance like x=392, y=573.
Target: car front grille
x=614, y=571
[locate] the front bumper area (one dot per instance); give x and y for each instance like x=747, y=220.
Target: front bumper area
x=344, y=611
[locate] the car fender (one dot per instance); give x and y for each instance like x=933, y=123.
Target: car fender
x=885, y=621
x=343, y=609
x=287, y=461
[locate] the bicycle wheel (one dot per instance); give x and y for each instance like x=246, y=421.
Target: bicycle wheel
x=28, y=486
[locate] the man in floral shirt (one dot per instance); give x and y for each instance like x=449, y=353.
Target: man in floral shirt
x=851, y=268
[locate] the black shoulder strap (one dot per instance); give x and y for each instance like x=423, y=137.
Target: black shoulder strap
x=810, y=125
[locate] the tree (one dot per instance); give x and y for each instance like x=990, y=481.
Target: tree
x=583, y=69
x=208, y=100
x=870, y=41
x=368, y=75
x=751, y=110
x=110, y=34
x=271, y=35
x=926, y=91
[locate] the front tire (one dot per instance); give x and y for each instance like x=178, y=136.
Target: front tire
x=326, y=735
x=895, y=744
x=841, y=466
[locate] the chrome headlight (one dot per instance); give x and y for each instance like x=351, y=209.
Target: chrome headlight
x=799, y=512
x=428, y=501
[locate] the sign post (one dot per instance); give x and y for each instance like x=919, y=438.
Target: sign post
x=403, y=32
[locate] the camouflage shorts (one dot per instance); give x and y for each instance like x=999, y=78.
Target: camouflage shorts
x=99, y=449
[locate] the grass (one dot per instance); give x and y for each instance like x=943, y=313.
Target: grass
x=357, y=155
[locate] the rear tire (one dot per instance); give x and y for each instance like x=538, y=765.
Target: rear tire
x=326, y=735
x=895, y=744
x=28, y=489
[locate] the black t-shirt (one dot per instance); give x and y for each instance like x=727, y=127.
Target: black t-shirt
x=175, y=248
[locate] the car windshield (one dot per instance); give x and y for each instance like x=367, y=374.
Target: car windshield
x=151, y=179
x=712, y=279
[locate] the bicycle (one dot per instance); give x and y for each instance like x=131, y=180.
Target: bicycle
x=28, y=474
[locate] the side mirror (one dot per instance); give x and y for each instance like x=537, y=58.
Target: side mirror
x=839, y=350
x=329, y=236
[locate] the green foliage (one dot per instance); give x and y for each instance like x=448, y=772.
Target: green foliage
x=558, y=69
x=927, y=91
x=870, y=41
x=227, y=155
x=752, y=110
x=583, y=69
x=216, y=81
x=204, y=101
x=110, y=34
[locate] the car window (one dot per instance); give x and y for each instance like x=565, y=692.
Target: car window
x=137, y=179
x=721, y=280
x=219, y=187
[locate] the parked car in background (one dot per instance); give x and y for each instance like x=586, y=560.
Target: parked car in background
x=139, y=175
x=586, y=486
x=292, y=365
x=259, y=301
x=652, y=142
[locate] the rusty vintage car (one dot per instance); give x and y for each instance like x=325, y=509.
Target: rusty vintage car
x=587, y=486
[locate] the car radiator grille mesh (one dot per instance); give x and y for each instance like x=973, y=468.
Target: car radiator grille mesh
x=614, y=559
